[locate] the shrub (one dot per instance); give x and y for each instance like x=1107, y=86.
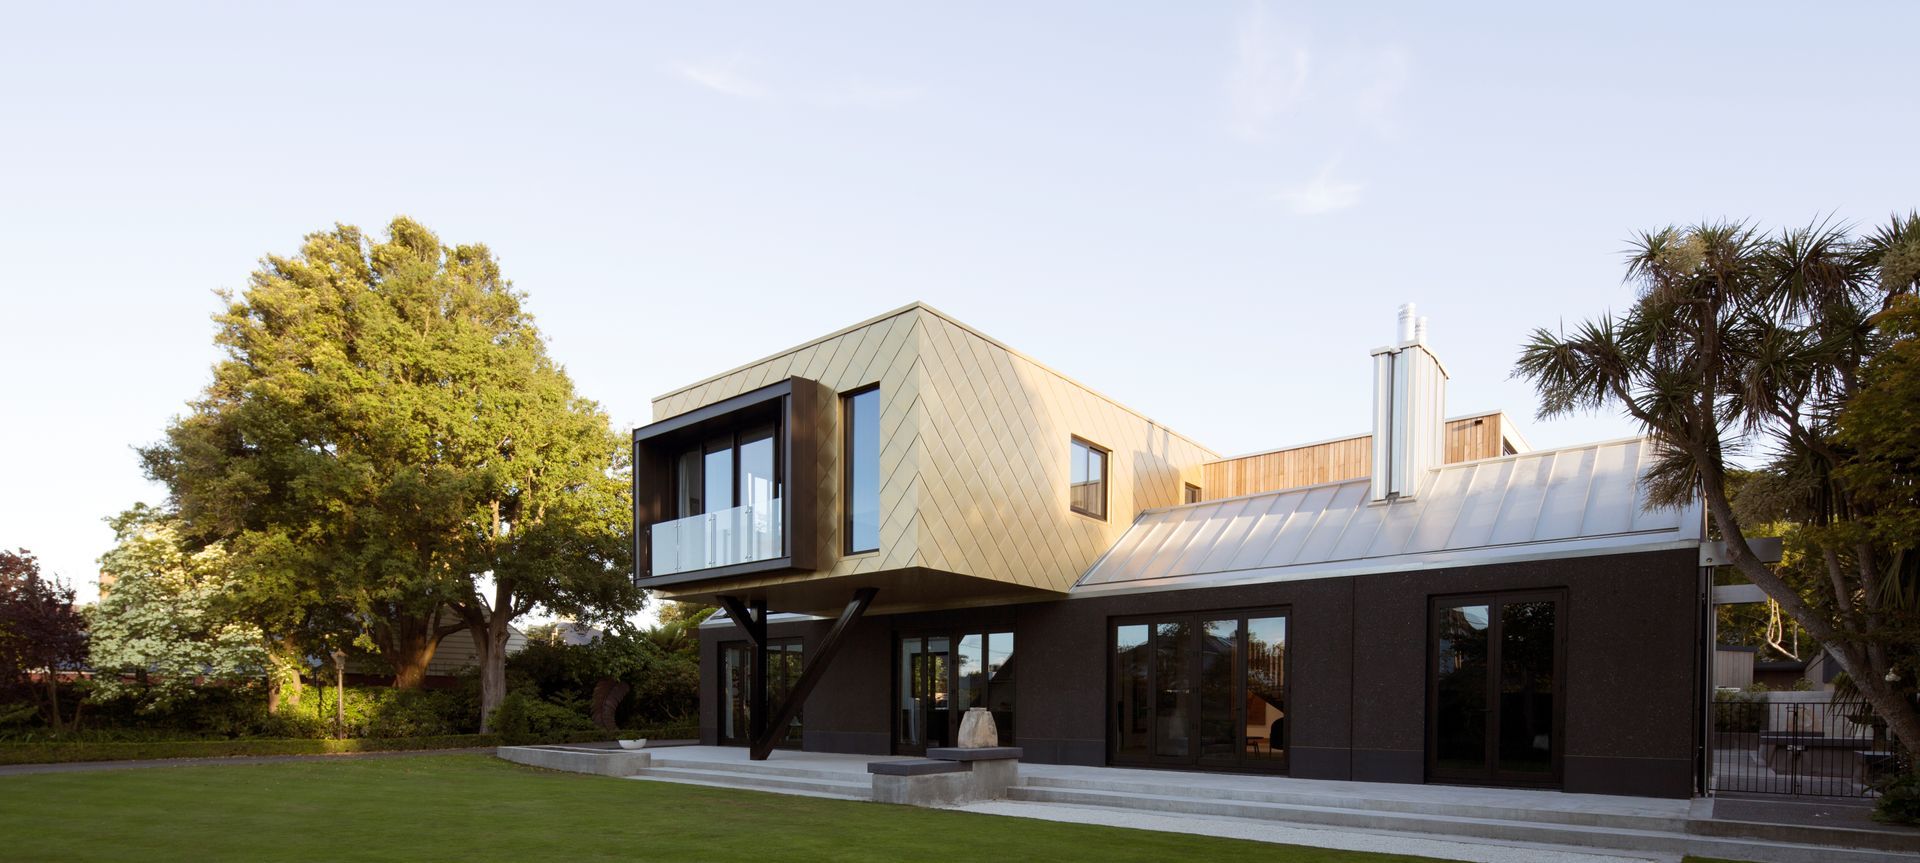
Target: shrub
x=523, y=718
x=661, y=667
x=1737, y=712
x=1899, y=799
x=68, y=750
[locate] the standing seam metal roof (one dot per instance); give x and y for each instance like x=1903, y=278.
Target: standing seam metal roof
x=1556, y=503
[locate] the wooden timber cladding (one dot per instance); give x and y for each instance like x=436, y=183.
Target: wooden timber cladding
x=974, y=452
x=1468, y=439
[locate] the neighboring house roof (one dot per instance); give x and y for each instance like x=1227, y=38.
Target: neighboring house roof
x=1572, y=502
x=575, y=633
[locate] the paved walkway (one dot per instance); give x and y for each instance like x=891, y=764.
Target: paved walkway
x=94, y=766
x=1474, y=851
x=1509, y=798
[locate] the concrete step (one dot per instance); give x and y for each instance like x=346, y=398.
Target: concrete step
x=813, y=787
x=1372, y=803
x=1496, y=829
x=761, y=768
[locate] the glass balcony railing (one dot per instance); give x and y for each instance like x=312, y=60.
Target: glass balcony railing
x=742, y=534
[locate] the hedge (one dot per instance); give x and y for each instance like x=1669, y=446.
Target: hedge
x=55, y=752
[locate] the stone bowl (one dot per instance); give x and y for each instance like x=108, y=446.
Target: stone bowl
x=634, y=744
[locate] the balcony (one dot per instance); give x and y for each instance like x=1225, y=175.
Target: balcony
x=741, y=534
x=750, y=466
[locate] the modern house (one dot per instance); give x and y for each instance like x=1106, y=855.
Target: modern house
x=906, y=518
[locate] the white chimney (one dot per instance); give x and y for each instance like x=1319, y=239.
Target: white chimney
x=1409, y=411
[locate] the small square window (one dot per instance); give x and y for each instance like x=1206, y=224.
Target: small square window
x=1190, y=494
x=1088, y=490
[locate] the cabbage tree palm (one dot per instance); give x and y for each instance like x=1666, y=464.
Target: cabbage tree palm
x=1794, y=350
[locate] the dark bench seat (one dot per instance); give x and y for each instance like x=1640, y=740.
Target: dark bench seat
x=916, y=767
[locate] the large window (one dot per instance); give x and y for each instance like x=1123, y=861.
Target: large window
x=726, y=503
x=1495, y=696
x=728, y=470
x=862, y=414
x=1088, y=492
x=941, y=676
x=1205, y=690
x=785, y=659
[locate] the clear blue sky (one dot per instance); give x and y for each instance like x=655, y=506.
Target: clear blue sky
x=1207, y=211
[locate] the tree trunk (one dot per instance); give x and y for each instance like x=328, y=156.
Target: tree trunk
x=340, y=694
x=490, y=638
x=53, y=702
x=1902, y=715
x=408, y=643
x=283, y=668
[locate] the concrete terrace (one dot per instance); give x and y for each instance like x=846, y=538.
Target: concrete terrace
x=1494, y=825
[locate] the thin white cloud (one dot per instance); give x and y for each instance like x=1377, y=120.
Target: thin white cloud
x=1269, y=75
x=730, y=76
x=1391, y=69
x=724, y=75
x=1323, y=193
x=1281, y=75
x=861, y=94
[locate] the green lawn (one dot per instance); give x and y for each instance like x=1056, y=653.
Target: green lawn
x=473, y=809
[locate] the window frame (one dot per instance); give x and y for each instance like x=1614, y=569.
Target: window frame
x=1106, y=477
x=847, y=548
x=1189, y=493
x=1491, y=774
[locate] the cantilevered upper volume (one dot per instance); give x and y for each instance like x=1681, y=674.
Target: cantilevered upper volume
x=908, y=452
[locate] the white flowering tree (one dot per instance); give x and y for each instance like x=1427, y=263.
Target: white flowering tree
x=160, y=630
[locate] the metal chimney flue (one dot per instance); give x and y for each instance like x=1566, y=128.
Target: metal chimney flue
x=1409, y=410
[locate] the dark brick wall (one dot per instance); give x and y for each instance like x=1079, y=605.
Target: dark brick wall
x=1359, y=649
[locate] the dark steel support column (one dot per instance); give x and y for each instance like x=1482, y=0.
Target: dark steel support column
x=757, y=696
x=816, y=667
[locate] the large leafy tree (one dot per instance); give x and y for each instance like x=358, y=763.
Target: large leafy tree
x=387, y=432
x=163, y=625
x=1796, y=349
x=42, y=635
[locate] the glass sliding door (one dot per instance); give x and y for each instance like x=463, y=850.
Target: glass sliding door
x=1216, y=690
x=1173, y=690
x=1528, y=686
x=717, y=491
x=785, y=659
x=1207, y=690
x=922, y=718
x=1495, y=692
x=1460, y=689
x=1266, y=676
x=1000, y=684
x=1132, y=692
x=939, y=677
x=726, y=504
x=735, y=678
